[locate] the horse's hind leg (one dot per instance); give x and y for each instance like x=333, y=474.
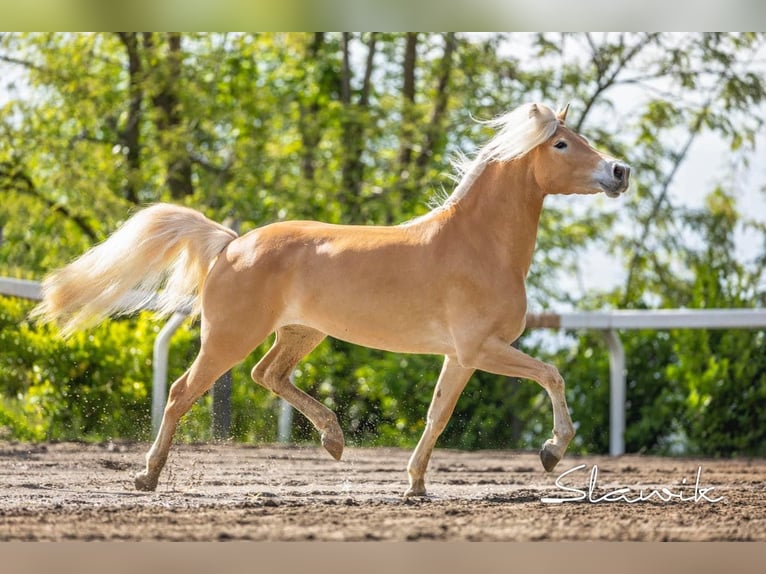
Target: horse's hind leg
x=294, y=342
x=452, y=381
x=203, y=373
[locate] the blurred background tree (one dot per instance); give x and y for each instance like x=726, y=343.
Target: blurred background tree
x=361, y=128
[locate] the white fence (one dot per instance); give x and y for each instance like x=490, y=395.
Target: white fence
x=607, y=322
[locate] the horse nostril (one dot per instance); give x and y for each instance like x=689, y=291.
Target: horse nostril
x=618, y=171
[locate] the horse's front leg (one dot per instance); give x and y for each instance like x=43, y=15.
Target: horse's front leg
x=497, y=356
x=451, y=383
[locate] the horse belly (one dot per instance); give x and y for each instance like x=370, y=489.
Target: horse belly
x=370, y=322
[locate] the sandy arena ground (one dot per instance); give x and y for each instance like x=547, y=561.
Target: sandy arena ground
x=66, y=491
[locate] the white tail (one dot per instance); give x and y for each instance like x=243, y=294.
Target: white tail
x=163, y=245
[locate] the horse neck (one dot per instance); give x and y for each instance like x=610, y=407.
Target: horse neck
x=499, y=214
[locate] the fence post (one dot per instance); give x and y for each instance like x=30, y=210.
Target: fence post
x=617, y=392
x=160, y=368
x=222, y=407
x=285, y=421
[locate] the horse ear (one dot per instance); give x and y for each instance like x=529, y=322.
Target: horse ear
x=534, y=110
x=562, y=115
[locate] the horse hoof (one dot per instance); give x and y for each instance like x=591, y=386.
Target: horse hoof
x=333, y=445
x=548, y=459
x=417, y=488
x=144, y=483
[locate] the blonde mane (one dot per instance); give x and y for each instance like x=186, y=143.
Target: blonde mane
x=517, y=133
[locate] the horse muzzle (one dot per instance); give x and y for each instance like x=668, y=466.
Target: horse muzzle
x=615, y=178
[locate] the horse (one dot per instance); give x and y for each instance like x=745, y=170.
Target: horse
x=451, y=283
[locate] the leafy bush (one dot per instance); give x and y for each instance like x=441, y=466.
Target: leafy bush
x=95, y=385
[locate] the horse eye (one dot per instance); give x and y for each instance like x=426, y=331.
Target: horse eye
x=561, y=144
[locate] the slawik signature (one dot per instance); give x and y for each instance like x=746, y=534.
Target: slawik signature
x=592, y=493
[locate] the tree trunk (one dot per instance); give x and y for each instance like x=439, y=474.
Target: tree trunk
x=435, y=128
x=353, y=124
x=408, y=103
x=308, y=123
x=131, y=134
x=179, y=165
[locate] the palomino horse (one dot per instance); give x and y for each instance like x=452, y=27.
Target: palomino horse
x=451, y=282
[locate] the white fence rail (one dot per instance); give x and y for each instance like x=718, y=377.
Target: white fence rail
x=20, y=288
x=607, y=322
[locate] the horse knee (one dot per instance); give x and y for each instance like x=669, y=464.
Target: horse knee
x=552, y=380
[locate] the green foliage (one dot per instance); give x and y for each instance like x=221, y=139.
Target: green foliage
x=360, y=128
x=94, y=385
